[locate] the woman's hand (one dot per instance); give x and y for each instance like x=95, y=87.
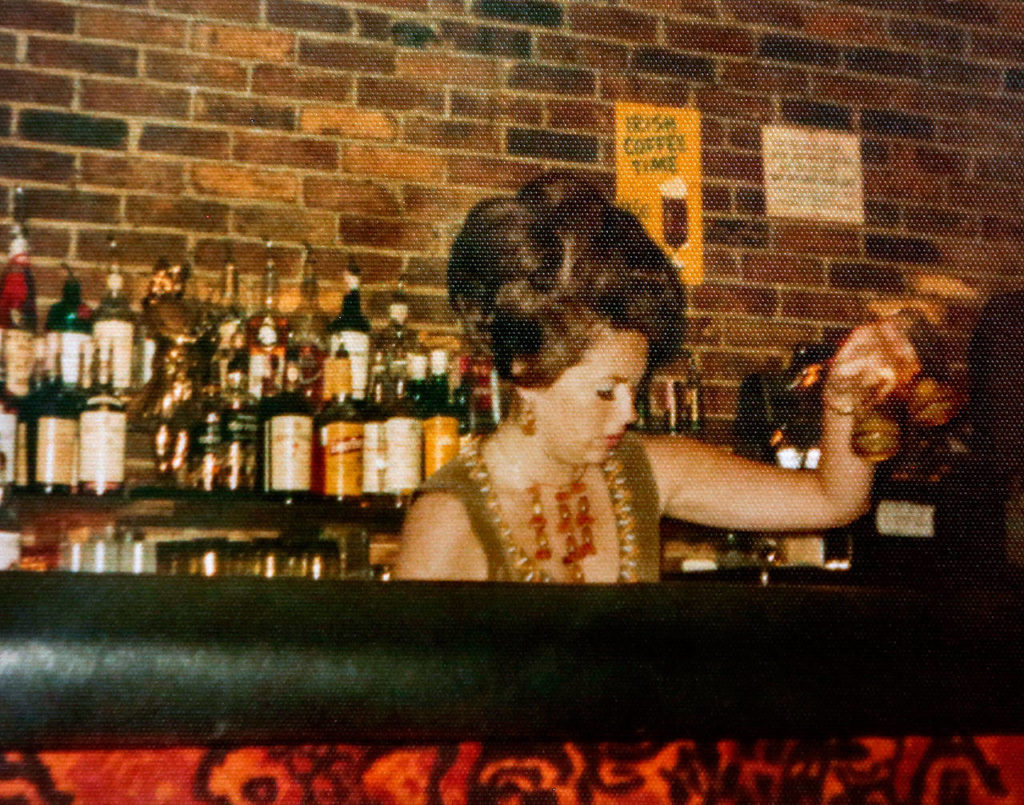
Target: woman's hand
x=875, y=359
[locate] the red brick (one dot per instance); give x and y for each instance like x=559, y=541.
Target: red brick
x=581, y=116
x=195, y=70
x=353, y=56
x=734, y=366
x=68, y=205
x=636, y=88
x=314, y=85
x=743, y=74
x=553, y=80
x=28, y=87
x=234, y=10
x=132, y=174
x=388, y=233
x=504, y=174
x=734, y=299
x=452, y=135
x=447, y=68
x=8, y=48
x=702, y=8
x=46, y=241
x=724, y=164
x=735, y=105
x=822, y=306
x=579, y=52
x=393, y=163
x=845, y=25
x=128, y=26
x=438, y=203
x=236, y=182
x=133, y=98
x=423, y=308
x=997, y=46
x=782, y=269
x=244, y=43
x=745, y=137
x=83, y=57
x=765, y=12
x=715, y=198
x=234, y=111
x=720, y=264
x=35, y=164
x=945, y=163
x=804, y=237
x=285, y=223
x=309, y=16
x=180, y=213
x=745, y=332
x=980, y=197
x=374, y=267
x=185, y=141
x=932, y=221
x=133, y=246
x=399, y=94
x=704, y=38
x=347, y=121
x=498, y=107
x=296, y=152
x=29, y=15
x=851, y=89
x=428, y=272
x=612, y=22
x=363, y=198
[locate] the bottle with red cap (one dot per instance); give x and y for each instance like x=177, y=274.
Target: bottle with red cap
x=18, y=307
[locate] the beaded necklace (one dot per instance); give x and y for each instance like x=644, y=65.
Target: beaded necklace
x=525, y=565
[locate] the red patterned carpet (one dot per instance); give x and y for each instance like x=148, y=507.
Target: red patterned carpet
x=873, y=771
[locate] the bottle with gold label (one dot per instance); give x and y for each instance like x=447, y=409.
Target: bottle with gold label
x=102, y=429
x=403, y=432
x=288, y=437
x=337, y=373
x=440, y=421
x=340, y=447
x=351, y=330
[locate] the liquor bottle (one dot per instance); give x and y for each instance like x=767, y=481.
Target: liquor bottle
x=102, y=429
x=240, y=426
x=352, y=330
x=440, y=423
x=267, y=335
x=287, y=437
x=8, y=429
x=375, y=416
x=206, y=445
x=68, y=328
x=340, y=447
x=229, y=316
x=416, y=383
x=24, y=450
x=114, y=325
x=56, y=429
x=397, y=339
x=309, y=332
x=403, y=433
x=18, y=312
x=693, y=398
x=462, y=403
x=10, y=527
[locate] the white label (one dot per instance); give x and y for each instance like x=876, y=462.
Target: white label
x=259, y=368
x=148, y=354
x=405, y=454
x=55, y=451
x=71, y=348
x=116, y=336
x=901, y=518
x=19, y=352
x=357, y=345
x=8, y=445
x=289, y=455
x=375, y=457
x=267, y=333
x=101, y=448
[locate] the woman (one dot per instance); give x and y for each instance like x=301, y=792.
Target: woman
x=577, y=305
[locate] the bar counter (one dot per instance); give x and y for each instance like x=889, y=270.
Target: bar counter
x=121, y=661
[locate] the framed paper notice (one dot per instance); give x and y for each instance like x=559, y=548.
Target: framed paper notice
x=657, y=178
x=812, y=174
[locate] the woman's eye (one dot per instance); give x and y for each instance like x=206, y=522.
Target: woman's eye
x=606, y=393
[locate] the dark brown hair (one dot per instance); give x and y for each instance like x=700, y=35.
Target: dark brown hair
x=532, y=276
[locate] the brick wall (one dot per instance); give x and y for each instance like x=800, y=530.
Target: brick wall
x=369, y=128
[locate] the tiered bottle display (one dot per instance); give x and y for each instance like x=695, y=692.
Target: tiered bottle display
x=252, y=402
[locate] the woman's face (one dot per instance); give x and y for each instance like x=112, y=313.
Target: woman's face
x=584, y=413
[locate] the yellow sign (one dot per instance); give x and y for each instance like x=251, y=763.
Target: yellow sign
x=657, y=167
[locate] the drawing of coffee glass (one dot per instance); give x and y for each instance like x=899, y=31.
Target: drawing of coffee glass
x=675, y=224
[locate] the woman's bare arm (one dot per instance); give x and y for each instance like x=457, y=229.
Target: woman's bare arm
x=438, y=542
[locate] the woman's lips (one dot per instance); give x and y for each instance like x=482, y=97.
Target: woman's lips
x=613, y=441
